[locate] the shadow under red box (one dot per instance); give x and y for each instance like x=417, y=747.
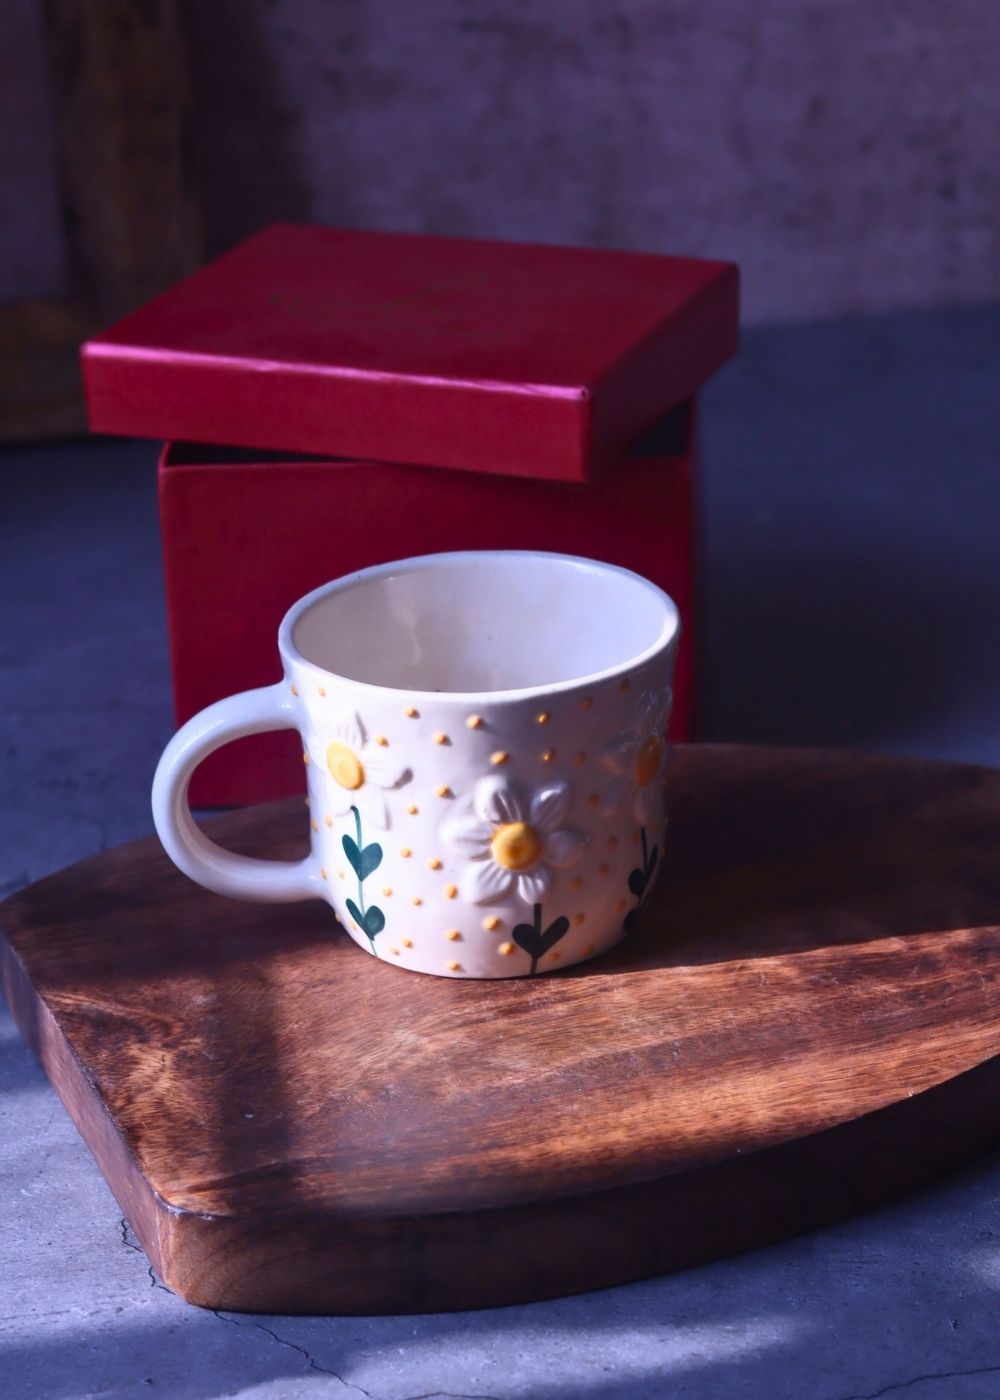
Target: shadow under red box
x=246, y=533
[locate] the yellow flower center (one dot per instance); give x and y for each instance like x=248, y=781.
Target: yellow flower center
x=648, y=760
x=345, y=766
x=516, y=846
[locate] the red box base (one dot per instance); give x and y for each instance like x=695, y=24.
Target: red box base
x=245, y=535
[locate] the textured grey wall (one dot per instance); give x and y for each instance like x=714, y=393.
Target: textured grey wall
x=846, y=152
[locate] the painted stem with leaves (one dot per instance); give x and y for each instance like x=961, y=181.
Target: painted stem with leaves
x=363, y=861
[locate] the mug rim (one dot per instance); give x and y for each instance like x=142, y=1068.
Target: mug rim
x=668, y=636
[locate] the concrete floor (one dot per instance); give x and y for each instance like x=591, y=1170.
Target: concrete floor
x=852, y=497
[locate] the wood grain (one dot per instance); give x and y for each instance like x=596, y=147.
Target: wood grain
x=805, y=1024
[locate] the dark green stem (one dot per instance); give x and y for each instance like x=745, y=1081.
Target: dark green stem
x=357, y=825
x=361, y=892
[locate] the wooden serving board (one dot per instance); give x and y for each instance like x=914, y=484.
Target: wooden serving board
x=807, y=1022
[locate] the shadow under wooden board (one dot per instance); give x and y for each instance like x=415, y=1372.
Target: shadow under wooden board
x=805, y=1024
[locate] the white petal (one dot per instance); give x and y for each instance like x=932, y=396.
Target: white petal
x=382, y=769
x=338, y=800
x=550, y=806
x=468, y=835
x=484, y=882
x=371, y=804
x=564, y=848
x=346, y=728
x=619, y=755
x=533, y=885
x=648, y=803
x=646, y=711
x=616, y=796
x=498, y=800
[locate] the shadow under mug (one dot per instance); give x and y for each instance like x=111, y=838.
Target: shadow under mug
x=484, y=742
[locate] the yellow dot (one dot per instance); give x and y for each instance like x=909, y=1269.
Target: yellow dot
x=635, y=838
x=450, y=891
x=440, y=737
x=314, y=823
x=594, y=799
x=505, y=949
x=576, y=883
x=603, y=869
x=416, y=900
x=554, y=956
x=453, y=966
x=548, y=755
x=295, y=690
x=411, y=712
x=648, y=760
x=443, y=790
x=474, y=722
x=516, y=846
x=542, y=717
x=586, y=952
x=382, y=741
x=341, y=875
x=624, y=685
x=345, y=767
x=578, y=919
x=412, y=808
x=387, y=890
x=394, y=952
x=321, y=689
x=586, y=702
x=453, y=935
x=406, y=942
x=490, y=923
x=612, y=843
x=322, y=872
x=434, y=863
x=579, y=759
x=405, y=852
x=305, y=759
x=499, y=758
x=620, y=905
x=328, y=820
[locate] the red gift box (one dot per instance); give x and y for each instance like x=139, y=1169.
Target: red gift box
x=528, y=371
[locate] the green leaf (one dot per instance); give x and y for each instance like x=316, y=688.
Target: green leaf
x=371, y=859
x=637, y=882
x=353, y=854
x=526, y=936
x=553, y=933
x=374, y=920
x=355, y=913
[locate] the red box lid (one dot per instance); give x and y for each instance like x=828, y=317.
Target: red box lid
x=522, y=359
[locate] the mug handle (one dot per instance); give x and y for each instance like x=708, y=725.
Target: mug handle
x=240, y=877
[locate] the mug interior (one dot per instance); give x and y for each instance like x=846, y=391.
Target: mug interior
x=478, y=622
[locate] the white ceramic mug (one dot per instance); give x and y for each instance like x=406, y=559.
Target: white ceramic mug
x=483, y=735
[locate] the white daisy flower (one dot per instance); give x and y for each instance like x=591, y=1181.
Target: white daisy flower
x=513, y=842
x=353, y=770
x=636, y=759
